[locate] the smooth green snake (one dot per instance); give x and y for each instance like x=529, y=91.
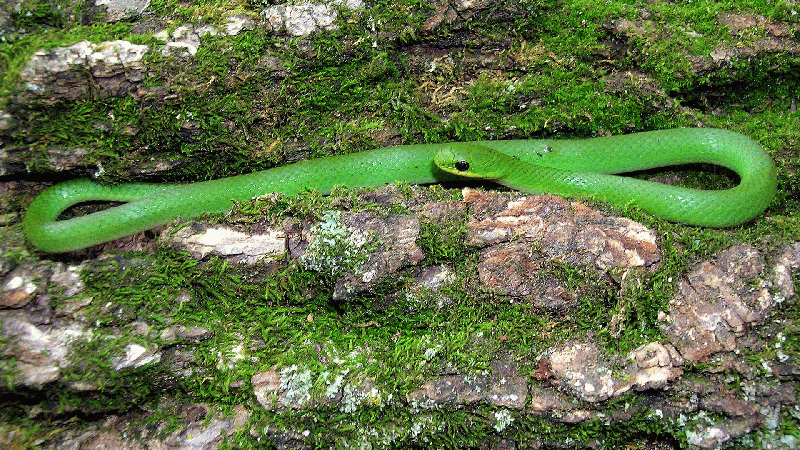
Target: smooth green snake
x=582, y=167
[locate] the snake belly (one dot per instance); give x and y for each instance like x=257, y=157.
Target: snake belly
x=584, y=167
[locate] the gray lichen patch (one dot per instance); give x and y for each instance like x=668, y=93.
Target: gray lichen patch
x=393, y=247
x=300, y=18
x=335, y=247
x=298, y=388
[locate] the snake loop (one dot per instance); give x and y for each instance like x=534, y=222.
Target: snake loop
x=567, y=167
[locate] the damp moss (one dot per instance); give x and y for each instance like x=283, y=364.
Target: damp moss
x=443, y=241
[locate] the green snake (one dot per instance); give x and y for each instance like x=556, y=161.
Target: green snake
x=583, y=167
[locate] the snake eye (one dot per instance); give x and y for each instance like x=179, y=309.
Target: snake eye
x=462, y=166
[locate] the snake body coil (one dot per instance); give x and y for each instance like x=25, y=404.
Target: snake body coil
x=567, y=167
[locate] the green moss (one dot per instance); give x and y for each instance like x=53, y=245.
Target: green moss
x=35, y=13
x=443, y=242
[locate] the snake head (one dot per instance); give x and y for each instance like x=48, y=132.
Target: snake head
x=472, y=161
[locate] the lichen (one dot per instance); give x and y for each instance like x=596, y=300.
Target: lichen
x=335, y=247
x=297, y=384
x=503, y=418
